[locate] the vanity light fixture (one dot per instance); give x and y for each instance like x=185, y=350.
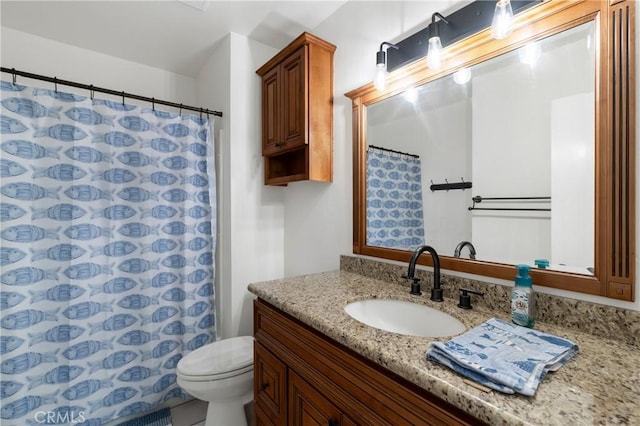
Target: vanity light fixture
x=434, y=54
x=502, y=19
x=380, y=79
x=470, y=19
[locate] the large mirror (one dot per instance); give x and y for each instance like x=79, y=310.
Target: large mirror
x=517, y=151
x=494, y=162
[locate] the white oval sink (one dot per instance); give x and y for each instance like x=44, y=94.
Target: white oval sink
x=402, y=317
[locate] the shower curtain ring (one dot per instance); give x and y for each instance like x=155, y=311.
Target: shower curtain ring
x=123, y=97
x=14, y=75
x=153, y=104
x=180, y=109
x=200, y=113
x=55, y=84
x=91, y=93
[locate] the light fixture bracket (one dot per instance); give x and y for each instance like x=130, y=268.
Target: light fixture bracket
x=462, y=23
x=381, y=56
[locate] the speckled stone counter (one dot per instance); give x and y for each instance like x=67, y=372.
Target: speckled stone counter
x=601, y=385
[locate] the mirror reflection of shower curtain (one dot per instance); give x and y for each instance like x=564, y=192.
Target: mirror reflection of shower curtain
x=394, y=200
x=107, y=253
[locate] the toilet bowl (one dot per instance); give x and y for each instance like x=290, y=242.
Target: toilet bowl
x=220, y=373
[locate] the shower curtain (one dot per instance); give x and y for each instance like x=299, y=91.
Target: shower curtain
x=394, y=200
x=107, y=255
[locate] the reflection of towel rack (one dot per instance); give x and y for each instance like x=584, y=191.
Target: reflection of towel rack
x=479, y=199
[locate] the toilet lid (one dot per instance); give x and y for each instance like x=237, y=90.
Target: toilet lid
x=234, y=355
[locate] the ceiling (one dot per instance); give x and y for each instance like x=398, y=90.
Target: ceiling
x=164, y=34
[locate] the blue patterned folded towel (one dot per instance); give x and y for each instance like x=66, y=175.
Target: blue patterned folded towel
x=504, y=356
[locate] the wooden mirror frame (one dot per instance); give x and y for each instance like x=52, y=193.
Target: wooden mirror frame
x=614, y=237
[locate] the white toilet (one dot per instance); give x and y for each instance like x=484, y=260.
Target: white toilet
x=220, y=373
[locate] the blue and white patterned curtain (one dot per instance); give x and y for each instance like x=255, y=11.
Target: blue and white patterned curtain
x=107, y=255
x=394, y=200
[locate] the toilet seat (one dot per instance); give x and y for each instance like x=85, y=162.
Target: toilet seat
x=218, y=360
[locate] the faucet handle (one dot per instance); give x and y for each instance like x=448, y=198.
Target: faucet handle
x=415, y=287
x=465, y=298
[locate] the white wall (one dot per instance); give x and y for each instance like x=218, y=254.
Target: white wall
x=523, y=169
x=38, y=55
x=572, y=153
x=251, y=215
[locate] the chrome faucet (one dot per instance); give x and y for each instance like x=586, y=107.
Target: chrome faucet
x=436, y=291
x=459, y=247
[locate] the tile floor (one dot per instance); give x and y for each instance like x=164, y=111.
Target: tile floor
x=193, y=413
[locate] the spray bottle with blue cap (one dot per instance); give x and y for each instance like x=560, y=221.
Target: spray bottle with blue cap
x=523, y=306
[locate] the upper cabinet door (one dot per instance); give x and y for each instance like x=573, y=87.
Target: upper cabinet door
x=271, y=111
x=294, y=108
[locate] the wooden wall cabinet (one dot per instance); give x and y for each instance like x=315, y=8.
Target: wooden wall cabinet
x=297, y=112
x=304, y=378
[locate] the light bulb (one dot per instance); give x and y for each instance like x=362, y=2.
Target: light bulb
x=530, y=54
x=462, y=76
x=434, y=54
x=411, y=95
x=502, y=19
x=380, y=78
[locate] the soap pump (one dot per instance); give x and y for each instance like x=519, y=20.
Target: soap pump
x=523, y=308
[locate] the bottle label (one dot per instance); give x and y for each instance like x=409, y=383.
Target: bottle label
x=521, y=309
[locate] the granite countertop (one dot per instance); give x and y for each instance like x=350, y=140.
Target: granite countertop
x=600, y=385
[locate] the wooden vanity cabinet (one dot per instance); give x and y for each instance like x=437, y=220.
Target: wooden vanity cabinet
x=297, y=112
x=308, y=407
x=270, y=374
x=304, y=378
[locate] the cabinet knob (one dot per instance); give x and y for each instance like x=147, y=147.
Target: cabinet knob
x=265, y=386
x=279, y=143
x=333, y=423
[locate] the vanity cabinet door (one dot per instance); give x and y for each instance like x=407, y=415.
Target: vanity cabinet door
x=260, y=418
x=270, y=385
x=307, y=407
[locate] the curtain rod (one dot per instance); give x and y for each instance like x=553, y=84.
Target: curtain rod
x=394, y=151
x=93, y=88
